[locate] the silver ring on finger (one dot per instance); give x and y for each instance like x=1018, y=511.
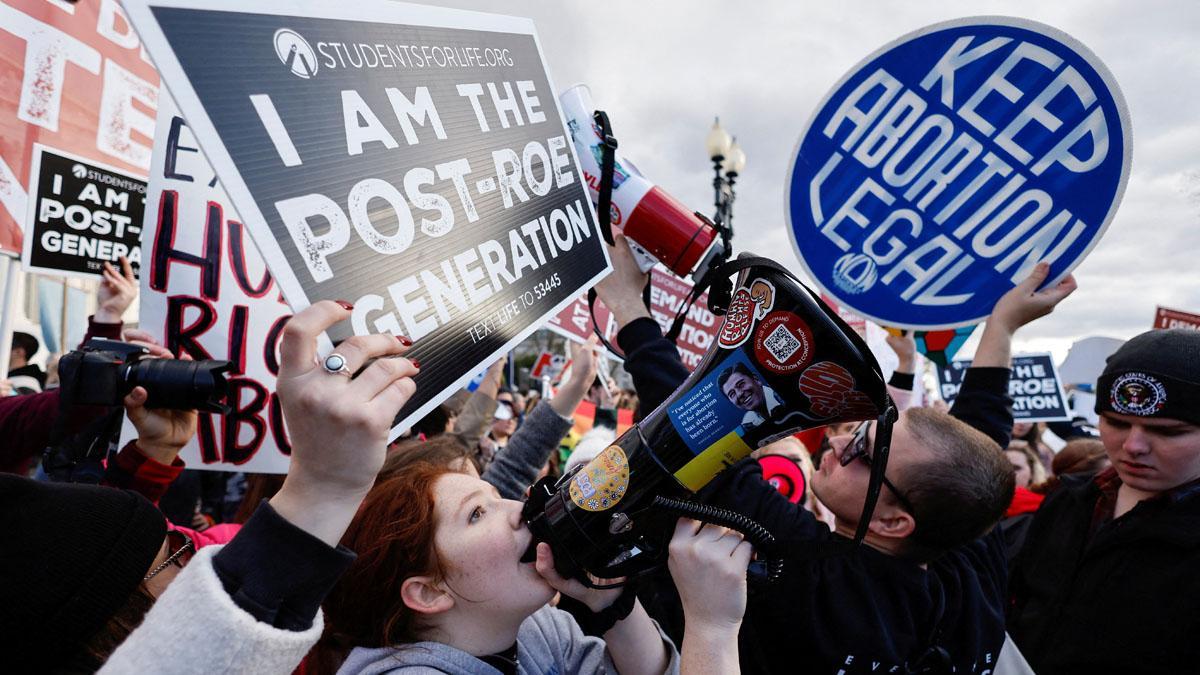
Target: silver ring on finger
x=336, y=364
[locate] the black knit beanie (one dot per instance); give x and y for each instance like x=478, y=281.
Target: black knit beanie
x=1156, y=374
x=70, y=557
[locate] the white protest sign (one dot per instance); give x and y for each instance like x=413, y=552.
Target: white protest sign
x=206, y=292
x=410, y=160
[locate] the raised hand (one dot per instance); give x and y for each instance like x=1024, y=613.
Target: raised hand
x=338, y=425
x=116, y=293
x=583, y=373
x=905, y=348
x=621, y=291
x=1025, y=302
x=1014, y=309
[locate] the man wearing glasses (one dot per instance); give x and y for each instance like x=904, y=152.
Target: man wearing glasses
x=926, y=590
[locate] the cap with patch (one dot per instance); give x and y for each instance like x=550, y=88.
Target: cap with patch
x=1156, y=374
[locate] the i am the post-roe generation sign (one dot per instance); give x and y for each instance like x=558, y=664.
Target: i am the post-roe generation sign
x=942, y=168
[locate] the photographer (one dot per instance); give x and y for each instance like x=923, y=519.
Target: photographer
x=27, y=422
x=93, y=560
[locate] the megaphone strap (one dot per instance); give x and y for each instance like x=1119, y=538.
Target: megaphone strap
x=608, y=163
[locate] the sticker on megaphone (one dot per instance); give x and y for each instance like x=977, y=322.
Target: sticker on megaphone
x=658, y=227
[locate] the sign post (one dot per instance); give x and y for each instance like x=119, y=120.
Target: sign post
x=943, y=167
x=408, y=159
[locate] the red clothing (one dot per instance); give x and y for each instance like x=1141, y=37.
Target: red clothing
x=1023, y=501
x=131, y=469
x=27, y=421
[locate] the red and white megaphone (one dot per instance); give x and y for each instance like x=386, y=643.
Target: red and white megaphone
x=660, y=229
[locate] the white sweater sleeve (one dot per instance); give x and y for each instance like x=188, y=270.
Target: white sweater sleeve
x=195, y=627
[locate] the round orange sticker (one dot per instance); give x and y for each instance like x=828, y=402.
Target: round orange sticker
x=602, y=483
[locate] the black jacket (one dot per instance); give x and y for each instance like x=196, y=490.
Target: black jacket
x=652, y=361
x=839, y=612
x=1127, y=601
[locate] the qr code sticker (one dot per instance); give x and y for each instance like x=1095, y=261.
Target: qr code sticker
x=781, y=343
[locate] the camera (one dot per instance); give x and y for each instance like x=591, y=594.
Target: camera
x=103, y=372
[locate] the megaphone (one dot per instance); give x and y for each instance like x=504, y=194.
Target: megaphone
x=782, y=362
x=659, y=228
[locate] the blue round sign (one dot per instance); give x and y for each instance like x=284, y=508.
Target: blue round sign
x=942, y=168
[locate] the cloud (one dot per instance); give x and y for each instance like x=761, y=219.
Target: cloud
x=663, y=70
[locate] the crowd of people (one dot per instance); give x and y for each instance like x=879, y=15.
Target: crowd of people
x=987, y=552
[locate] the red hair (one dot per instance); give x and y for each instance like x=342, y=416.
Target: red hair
x=393, y=535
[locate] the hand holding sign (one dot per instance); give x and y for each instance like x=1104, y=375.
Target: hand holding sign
x=1021, y=305
x=339, y=424
x=1025, y=303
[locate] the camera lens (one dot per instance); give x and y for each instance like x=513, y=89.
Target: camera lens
x=182, y=385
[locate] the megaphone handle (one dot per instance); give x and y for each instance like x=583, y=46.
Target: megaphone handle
x=762, y=540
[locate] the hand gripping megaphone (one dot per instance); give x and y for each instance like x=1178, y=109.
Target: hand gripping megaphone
x=659, y=228
x=782, y=362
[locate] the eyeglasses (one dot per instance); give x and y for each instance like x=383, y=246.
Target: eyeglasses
x=860, y=448
x=180, y=548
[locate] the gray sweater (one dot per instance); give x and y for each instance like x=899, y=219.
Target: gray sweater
x=548, y=643
x=517, y=464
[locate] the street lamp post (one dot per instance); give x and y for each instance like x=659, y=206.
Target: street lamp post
x=728, y=161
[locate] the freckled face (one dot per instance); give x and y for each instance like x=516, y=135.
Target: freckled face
x=481, y=538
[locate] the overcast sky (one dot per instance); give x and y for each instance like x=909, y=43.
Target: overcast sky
x=663, y=70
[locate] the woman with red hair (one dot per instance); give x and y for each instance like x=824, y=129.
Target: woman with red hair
x=449, y=578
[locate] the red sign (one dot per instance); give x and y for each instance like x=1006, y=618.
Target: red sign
x=1173, y=318
x=575, y=322
x=549, y=365
x=667, y=293
x=76, y=79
